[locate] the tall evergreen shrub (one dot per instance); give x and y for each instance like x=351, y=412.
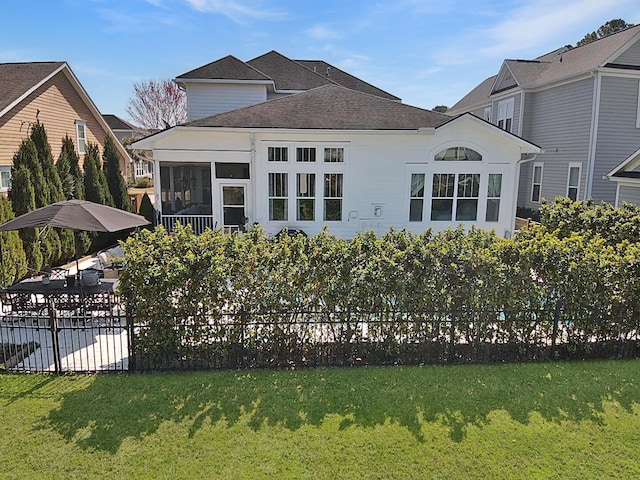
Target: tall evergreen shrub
x=113, y=173
x=14, y=260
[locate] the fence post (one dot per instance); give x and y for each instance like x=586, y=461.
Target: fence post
x=554, y=332
x=131, y=338
x=53, y=326
x=452, y=337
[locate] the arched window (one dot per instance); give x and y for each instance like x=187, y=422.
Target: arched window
x=458, y=154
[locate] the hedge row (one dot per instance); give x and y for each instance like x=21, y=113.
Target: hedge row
x=195, y=290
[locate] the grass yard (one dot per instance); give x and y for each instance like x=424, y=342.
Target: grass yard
x=547, y=420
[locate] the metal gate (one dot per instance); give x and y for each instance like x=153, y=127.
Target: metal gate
x=43, y=335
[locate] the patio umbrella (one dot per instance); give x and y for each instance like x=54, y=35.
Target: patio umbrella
x=77, y=215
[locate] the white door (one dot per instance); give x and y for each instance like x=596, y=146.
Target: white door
x=234, y=207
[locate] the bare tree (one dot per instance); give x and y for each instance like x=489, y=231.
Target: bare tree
x=157, y=104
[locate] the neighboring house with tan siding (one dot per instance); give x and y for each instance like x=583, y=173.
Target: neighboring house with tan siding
x=50, y=93
x=582, y=107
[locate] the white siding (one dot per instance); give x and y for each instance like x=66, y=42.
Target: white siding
x=376, y=171
x=206, y=99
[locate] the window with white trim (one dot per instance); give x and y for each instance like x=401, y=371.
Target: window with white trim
x=333, y=197
x=494, y=191
x=334, y=155
x=573, y=180
x=305, y=154
x=486, y=114
x=305, y=196
x=5, y=178
x=278, y=154
x=536, y=183
x=416, y=200
x=505, y=114
x=455, y=196
x=81, y=135
x=278, y=193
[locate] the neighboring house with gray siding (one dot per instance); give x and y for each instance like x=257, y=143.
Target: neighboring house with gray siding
x=580, y=105
x=626, y=178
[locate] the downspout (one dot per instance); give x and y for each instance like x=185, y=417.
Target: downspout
x=253, y=176
x=516, y=188
x=593, y=133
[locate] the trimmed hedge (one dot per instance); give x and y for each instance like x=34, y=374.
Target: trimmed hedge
x=216, y=291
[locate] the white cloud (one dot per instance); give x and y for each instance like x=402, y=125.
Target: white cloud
x=531, y=29
x=322, y=32
x=236, y=10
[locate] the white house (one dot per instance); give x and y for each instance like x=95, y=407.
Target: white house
x=336, y=157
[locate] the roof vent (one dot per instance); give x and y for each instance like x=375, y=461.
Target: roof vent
x=328, y=69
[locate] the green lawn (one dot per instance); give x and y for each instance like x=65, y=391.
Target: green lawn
x=548, y=420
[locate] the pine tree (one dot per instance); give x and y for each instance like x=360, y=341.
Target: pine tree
x=147, y=210
x=14, y=260
x=23, y=201
x=39, y=137
x=117, y=187
x=27, y=156
x=69, y=150
x=95, y=182
x=63, y=165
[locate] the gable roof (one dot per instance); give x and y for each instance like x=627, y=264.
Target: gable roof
x=227, y=68
x=556, y=65
x=287, y=73
x=284, y=73
x=330, y=107
x=18, y=80
x=345, y=79
x=116, y=123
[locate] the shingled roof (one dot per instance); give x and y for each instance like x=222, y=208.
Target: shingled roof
x=227, y=68
x=116, y=123
x=18, y=79
x=556, y=65
x=330, y=107
x=285, y=73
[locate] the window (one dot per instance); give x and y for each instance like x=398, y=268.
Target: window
x=81, y=134
x=458, y=154
x=5, y=178
x=334, y=155
x=278, y=192
x=305, y=154
x=305, y=196
x=486, y=114
x=536, y=184
x=442, y=196
x=573, y=181
x=278, y=154
x=232, y=170
x=494, y=190
x=468, y=191
x=461, y=193
x=505, y=114
x=332, y=197
x=416, y=201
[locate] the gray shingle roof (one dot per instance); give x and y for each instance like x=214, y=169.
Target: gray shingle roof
x=328, y=107
x=345, y=79
x=116, y=123
x=288, y=74
x=556, y=65
x=285, y=73
x=17, y=78
x=227, y=68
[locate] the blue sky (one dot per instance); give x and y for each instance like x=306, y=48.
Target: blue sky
x=427, y=52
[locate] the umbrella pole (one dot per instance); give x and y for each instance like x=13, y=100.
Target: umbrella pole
x=1, y=260
x=75, y=243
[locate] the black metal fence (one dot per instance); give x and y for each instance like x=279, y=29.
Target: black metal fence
x=61, y=334
x=109, y=340
x=313, y=339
